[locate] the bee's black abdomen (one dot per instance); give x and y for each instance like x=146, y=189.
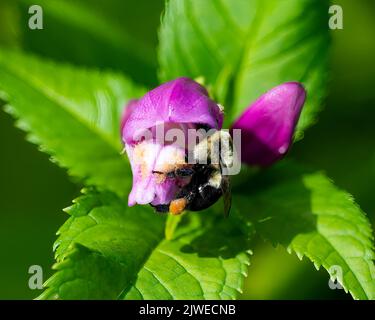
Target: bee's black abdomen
x=199, y=193
x=204, y=198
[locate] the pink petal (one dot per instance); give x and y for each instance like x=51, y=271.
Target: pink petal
x=179, y=101
x=267, y=126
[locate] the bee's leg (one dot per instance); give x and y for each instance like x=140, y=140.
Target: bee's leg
x=181, y=202
x=177, y=206
x=202, y=188
x=158, y=172
x=178, y=173
x=161, y=208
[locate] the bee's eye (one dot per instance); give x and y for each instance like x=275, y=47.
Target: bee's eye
x=184, y=172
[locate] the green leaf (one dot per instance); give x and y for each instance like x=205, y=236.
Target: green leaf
x=109, y=251
x=244, y=48
x=73, y=114
x=94, y=34
x=307, y=214
x=9, y=24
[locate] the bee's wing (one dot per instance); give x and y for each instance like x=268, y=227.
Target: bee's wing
x=227, y=195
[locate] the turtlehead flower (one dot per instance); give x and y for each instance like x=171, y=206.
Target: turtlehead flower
x=268, y=124
x=155, y=131
x=180, y=105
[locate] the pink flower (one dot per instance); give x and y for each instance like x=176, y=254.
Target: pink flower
x=181, y=104
x=267, y=128
x=268, y=124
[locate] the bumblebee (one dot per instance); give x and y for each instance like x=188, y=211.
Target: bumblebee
x=208, y=182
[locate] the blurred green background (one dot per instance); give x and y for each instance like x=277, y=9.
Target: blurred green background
x=110, y=35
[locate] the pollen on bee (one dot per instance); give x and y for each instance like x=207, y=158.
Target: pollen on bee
x=177, y=206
